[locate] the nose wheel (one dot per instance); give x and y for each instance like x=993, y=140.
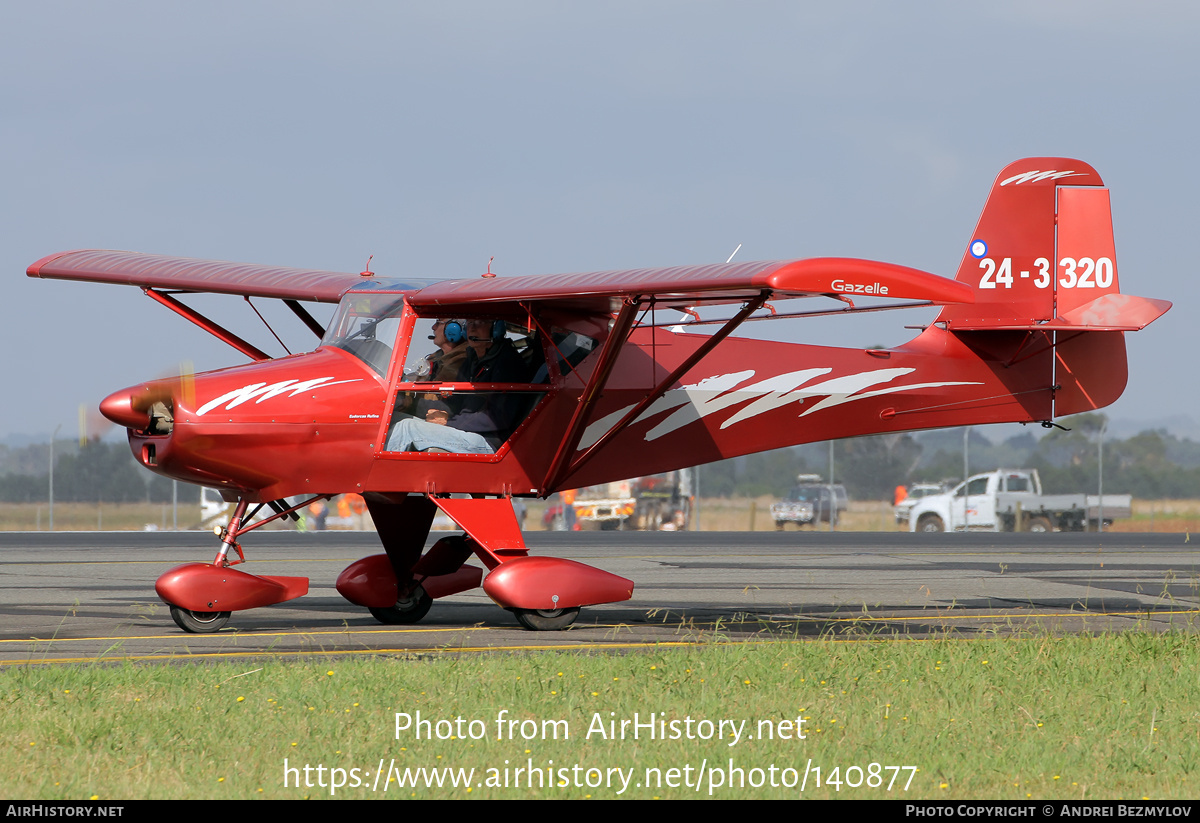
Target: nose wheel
x=199, y=622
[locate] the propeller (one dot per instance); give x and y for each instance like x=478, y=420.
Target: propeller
x=150, y=406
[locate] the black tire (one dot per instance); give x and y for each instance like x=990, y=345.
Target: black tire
x=931, y=524
x=546, y=620
x=406, y=611
x=778, y=525
x=1040, y=525
x=199, y=622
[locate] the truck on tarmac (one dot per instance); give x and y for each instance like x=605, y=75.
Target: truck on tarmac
x=658, y=502
x=1009, y=500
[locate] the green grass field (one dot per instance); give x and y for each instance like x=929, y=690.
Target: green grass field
x=1041, y=717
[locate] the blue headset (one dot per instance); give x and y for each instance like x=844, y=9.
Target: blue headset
x=454, y=332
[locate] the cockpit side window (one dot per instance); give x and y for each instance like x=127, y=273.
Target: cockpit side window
x=436, y=408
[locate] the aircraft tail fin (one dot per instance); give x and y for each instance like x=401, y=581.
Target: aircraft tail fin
x=1042, y=259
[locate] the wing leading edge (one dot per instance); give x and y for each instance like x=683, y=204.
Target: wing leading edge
x=151, y=271
x=729, y=281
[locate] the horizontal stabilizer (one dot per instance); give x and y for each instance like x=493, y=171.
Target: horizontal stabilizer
x=1112, y=312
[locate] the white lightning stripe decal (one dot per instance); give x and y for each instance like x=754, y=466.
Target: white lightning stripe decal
x=708, y=387
x=715, y=394
x=840, y=388
x=1037, y=176
x=709, y=404
x=781, y=390
x=910, y=386
x=261, y=391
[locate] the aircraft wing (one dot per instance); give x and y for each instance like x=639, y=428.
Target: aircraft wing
x=589, y=291
x=711, y=283
x=185, y=274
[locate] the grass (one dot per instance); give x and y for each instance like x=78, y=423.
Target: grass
x=1079, y=717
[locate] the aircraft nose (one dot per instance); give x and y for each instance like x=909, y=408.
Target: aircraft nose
x=148, y=408
x=118, y=407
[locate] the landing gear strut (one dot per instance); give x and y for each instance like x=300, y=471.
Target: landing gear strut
x=543, y=593
x=203, y=595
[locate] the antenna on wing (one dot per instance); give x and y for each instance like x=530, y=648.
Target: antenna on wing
x=690, y=313
x=489, y=272
x=366, y=272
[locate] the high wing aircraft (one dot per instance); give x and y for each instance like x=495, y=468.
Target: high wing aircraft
x=579, y=379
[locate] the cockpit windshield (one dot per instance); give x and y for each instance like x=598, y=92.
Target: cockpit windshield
x=366, y=326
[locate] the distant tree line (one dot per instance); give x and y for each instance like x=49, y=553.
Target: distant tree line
x=1151, y=465
x=94, y=472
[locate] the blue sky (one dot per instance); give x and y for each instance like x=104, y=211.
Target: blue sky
x=563, y=137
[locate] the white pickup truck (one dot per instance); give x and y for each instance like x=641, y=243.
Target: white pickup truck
x=1011, y=500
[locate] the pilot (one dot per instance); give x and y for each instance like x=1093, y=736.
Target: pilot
x=479, y=422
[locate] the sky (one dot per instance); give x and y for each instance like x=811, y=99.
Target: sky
x=561, y=137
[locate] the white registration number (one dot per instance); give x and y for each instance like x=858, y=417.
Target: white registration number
x=1081, y=273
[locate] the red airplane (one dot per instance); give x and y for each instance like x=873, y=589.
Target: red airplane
x=572, y=380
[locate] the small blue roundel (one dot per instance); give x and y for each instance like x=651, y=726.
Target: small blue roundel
x=978, y=249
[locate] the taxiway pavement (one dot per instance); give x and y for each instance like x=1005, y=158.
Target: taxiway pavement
x=83, y=596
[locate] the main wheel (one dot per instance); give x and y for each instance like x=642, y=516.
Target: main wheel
x=930, y=524
x=407, y=610
x=546, y=620
x=199, y=622
x=1040, y=525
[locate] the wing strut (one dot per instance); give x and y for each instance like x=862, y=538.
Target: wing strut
x=591, y=392
x=668, y=381
x=220, y=332
x=308, y=319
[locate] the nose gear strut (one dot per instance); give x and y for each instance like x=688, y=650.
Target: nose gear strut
x=203, y=595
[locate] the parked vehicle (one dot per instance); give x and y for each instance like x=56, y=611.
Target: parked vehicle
x=607, y=506
x=664, y=501
x=1012, y=500
x=660, y=501
x=916, y=492
x=809, y=503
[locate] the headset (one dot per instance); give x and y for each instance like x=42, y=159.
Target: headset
x=498, y=332
x=452, y=330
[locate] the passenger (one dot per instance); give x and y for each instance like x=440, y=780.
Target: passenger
x=450, y=336
x=480, y=422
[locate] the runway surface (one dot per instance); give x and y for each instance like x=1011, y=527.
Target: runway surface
x=78, y=597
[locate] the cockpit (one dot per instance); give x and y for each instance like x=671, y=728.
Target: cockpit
x=366, y=325
x=465, y=384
